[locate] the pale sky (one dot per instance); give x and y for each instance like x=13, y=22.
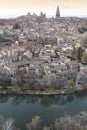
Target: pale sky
x=13, y=8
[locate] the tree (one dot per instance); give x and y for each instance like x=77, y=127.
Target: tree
x=35, y=124
x=71, y=82
x=1, y=121
x=16, y=26
x=21, y=82
x=8, y=125
x=79, y=53
x=84, y=57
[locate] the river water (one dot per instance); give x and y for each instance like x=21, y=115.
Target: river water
x=23, y=107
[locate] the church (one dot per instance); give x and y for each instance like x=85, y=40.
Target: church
x=57, y=12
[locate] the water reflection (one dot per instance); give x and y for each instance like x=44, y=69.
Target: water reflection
x=45, y=100
x=4, y=98
x=23, y=107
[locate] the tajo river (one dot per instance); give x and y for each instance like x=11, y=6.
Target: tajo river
x=23, y=107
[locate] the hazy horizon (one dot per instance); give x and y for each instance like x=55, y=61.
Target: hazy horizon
x=14, y=8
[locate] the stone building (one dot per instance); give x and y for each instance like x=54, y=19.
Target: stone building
x=58, y=12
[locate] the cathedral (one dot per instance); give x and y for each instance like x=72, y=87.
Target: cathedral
x=57, y=12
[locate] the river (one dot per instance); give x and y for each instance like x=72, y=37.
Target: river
x=23, y=107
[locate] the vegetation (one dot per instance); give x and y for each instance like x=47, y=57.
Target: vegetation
x=84, y=63
x=78, y=122
x=35, y=86
x=16, y=26
x=4, y=40
x=35, y=124
x=82, y=30
x=71, y=58
x=7, y=124
x=79, y=53
x=84, y=86
x=71, y=83
x=84, y=57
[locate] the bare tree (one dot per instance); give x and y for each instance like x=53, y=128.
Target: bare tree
x=35, y=124
x=8, y=125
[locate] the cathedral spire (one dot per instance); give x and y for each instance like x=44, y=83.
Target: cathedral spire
x=57, y=12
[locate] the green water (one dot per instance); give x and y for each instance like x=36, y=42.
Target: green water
x=23, y=107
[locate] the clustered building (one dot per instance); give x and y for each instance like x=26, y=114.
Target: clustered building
x=43, y=51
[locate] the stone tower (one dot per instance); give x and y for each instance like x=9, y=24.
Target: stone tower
x=57, y=12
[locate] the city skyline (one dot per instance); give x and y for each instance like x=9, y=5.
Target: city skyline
x=14, y=8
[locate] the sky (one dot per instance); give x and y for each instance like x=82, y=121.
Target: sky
x=14, y=8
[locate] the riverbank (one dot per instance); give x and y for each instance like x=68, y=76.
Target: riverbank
x=18, y=91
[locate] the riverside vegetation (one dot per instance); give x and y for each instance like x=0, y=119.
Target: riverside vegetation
x=77, y=122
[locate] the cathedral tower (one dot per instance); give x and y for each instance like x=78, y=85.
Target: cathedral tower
x=57, y=12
